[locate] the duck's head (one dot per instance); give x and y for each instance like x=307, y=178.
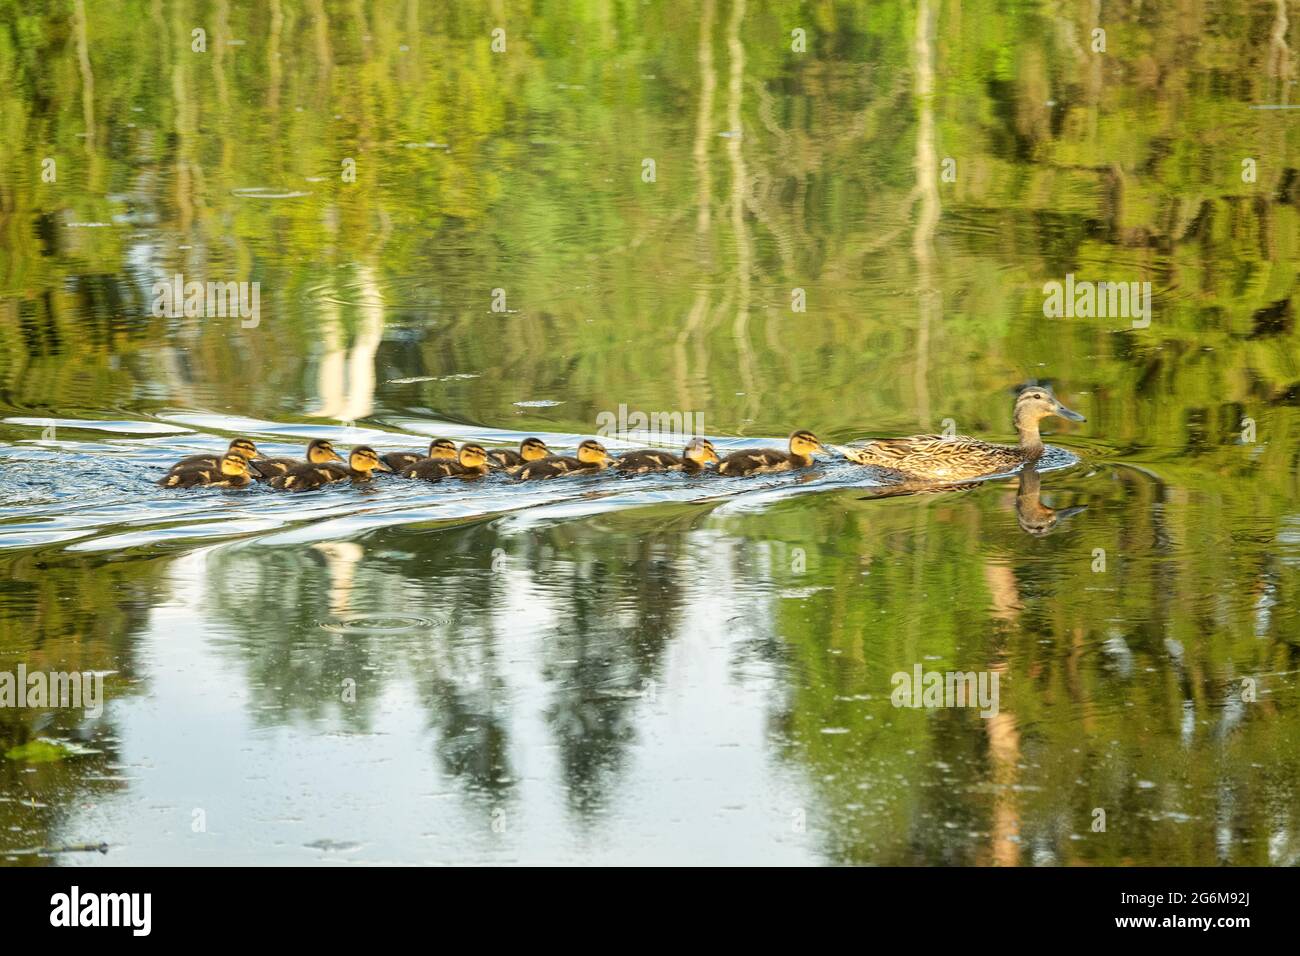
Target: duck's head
x=233, y=465
x=1036, y=402
x=245, y=448
x=592, y=452
x=532, y=449
x=442, y=448
x=473, y=456
x=700, y=451
x=365, y=459
x=803, y=443
x=322, y=450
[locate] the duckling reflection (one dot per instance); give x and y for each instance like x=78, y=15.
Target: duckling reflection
x=1034, y=517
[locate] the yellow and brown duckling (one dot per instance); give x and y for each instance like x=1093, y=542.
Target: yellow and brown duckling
x=440, y=449
x=944, y=459
x=362, y=463
x=244, y=447
x=232, y=471
x=471, y=462
x=767, y=460
x=591, y=457
x=320, y=451
x=695, y=457
x=510, y=461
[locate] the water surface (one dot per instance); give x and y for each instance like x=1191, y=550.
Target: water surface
x=657, y=669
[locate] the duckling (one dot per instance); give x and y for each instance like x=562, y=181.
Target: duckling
x=766, y=460
x=698, y=453
x=362, y=462
x=319, y=452
x=530, y=449
x=243, y=447
x=439, y=448
x=231, y=472
x=939, y=458
x=591, y=457
x=472, y=462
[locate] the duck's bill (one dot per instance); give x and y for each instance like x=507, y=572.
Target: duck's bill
x=1069, y=413
x=1064, y=513
x=253, y=470
x=384, y=466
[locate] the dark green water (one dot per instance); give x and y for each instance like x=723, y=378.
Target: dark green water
x=656, y=669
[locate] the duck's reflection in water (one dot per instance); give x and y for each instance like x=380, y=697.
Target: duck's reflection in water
x=1034, y=517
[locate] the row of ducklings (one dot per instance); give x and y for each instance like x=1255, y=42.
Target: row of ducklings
x=242, y=464
x=932, y=459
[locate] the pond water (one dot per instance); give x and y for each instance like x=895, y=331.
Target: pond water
x=744, y=217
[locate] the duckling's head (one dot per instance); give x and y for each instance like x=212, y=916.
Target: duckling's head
x=531, y=449
x=592, y=452
x=1036, y=402
x=804, y=443
x=473, y=456
x=233, y=465
x=365, y=459
x=245, y=448
x=322, y=450
x=442, y=448
x=701, y=451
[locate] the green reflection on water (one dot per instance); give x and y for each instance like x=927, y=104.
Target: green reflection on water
x=662, y=683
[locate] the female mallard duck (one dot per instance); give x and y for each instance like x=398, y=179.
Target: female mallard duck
x=319, y=452
x=232, y=471
x=439, y=449
x=243, y=447
x=766, y=460
x=698, y=453
x=530, y=449
x=472, y=462
x=591, y=456
x=938, y=458
x=362, y=462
